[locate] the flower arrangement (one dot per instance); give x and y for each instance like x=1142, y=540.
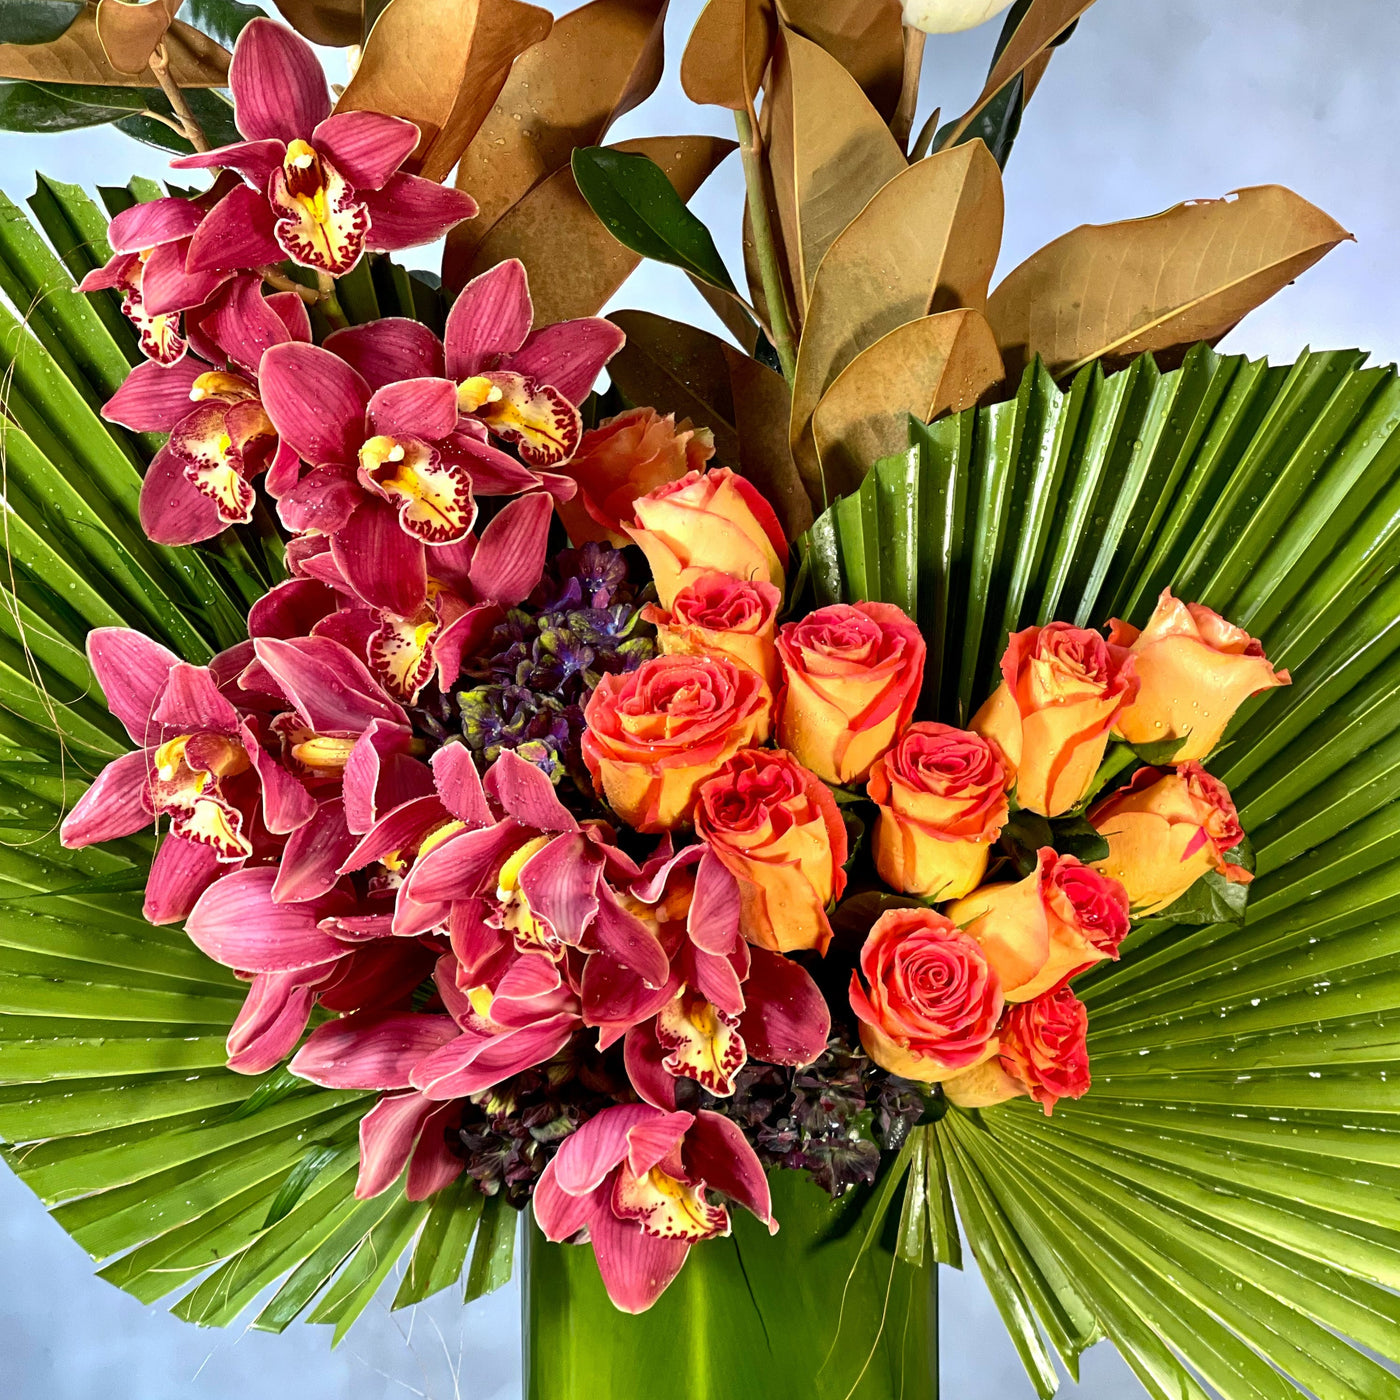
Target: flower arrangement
x=608, y=807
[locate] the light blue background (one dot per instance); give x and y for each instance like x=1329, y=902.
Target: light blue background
x=1149, y=104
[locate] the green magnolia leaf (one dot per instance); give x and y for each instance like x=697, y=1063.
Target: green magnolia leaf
x=63, y=106
x=213, y=112
x=641, y=209
x=221, y=19
x=37, y=21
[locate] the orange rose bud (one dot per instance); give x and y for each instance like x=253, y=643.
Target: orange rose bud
x=931, y=1000
x=1043, y=930
x=942, y=798
x=708, y=521
x=716, y=615
x=777, y=829
x=1062, y=688
x=621, y=459
x=656, y=733
x=1043, y=1046
x=1165, y=830
x=853, y=673
x=1194, y=671
x=982, y=1086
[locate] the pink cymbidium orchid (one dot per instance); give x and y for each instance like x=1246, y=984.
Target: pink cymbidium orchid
x=221, y=439
x=634, y=1178
x=321, y=188
x=149, y=244
x=722, y=1002
x=518, y=385
x=199, y=763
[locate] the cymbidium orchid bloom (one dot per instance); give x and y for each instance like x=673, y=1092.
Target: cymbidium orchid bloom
x=635, y=1177
x=321, y=188
x=199, y=763
x=149, y=245
x=221, y=439
x=515, y=384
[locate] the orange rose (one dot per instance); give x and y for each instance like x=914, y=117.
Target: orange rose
x=777, y=829
x=656, y=733
x=1165, y=830
x=931, y=1000
x=1062, y=688
x=707, y=521
x=1041, y=931
x=716, y=615
x=942, y=798
x=853, y=674
x=1194, y=671
x=621, y=459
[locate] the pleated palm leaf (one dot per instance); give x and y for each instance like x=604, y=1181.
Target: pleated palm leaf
x=1221, y=1205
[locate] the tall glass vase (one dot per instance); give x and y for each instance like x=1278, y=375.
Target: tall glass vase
x=804, y=1313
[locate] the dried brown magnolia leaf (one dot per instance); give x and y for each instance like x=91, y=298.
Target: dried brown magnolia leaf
x=866, y=37
x=335, y=23
x=1189, y=274
x=928, y=241
x=441, y=64
x=942, y=363
x=598, y=62
x=829, y=151
x=733, y=316
x=76, y=56
x=130, y=32
x=1045, y=21
x=574, y=263
x=727, y=53
x=676, y=368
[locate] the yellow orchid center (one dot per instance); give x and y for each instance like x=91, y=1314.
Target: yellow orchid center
x=218, y=385
x=481, y=999
x=516, y=916
x=438, y=835
x=666, y=1207
x=433, y=497
x=476, y=392
x=326, y=753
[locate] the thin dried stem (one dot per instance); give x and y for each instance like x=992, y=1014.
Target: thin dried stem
x=283, y=283
x=902, y=123
x=189, y=126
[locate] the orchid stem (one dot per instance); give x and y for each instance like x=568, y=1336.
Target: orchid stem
x=330, y=303
x=283, y=283
x=189, y=124
x=751, y=150
x=902, y=123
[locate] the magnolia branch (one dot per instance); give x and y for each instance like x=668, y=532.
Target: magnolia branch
x=765, y=249
x=189, y=123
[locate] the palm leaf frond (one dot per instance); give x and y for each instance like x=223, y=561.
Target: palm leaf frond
x=1222, y=1203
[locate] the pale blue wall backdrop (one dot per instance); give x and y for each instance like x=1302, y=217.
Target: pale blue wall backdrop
x=1150, y=104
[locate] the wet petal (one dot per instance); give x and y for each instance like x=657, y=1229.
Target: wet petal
x=421, y=408
x=371, y=1051
x=167, y=287
x=236, y=234
x=389, y=350
x=491, y=317
x=366, y=146
x=321, y=220
x=153, y=398
x=569, y=355
x=152, y=223
x=381, y=561
x=316, y=401
x=115, y=805
x=279, y=88
x=254, y=160
x=410, y=211
x=509, y=560
x=132, y=671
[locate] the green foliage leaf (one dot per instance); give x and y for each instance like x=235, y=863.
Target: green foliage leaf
x=641, y=209
x=1160, y=754
x=37, y=21
x=28, y=106
x=1025, y=833
x=221, y=19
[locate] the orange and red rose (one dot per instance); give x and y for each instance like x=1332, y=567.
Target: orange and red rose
x=1040, y=931
x=942, y=798
x=655, y=734
x=708, y=521
x=716, y=615
x=1043, y=1047
x=1194, y=671
x=852, y=674
x=623, y=458
x=1062, y=689
x=777, y=829
x=1165, y=830
x=931, y=999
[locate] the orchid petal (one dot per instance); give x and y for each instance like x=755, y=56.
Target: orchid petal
x=459, y=785
x=380, y=976
x=238, y=923
x=111, y=274
x=291, y=609
x=389, y=350
x=570, y=355
x=172, y=508
x=316, y=402
x=786, y=1020
x=286, y=804
x=509, y=560
x=421, y=408
x=560, y=885
x=456, y=868
x=589, y=1153
x=370, y=1051
x=434, y=1164
x=311, y=859
x=388, y=1134
x=636, y=1268
x=279, y=88
x=267, y=1028
x=615, y=999
x=294, y=315
x=400, y=829
x=132, y=671
x=182, y=872
x=323, y=500
x=627, y=940
x=482, y=953
x=410, y=211
x=718, y=981
x=237, y=233
x=493, y=472
x=154, y=398
x=115, y=805
x=243, y=325
x=642, y=1057
x=471, y=1063
x=652, y=1141
x=253, y=160
x=153, y=223
x=462, y=637
x=526, y=794
x=491, y=317
x=328, y=686
x=166, y=287
x=366, y=147
x=713, y=920
x=717, y=1151
x=382, y=774
x=190, y=701
x=558, y=1214
x=380, y=560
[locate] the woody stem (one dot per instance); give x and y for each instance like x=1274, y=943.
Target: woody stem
x=765, y=249
x=190, y=127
